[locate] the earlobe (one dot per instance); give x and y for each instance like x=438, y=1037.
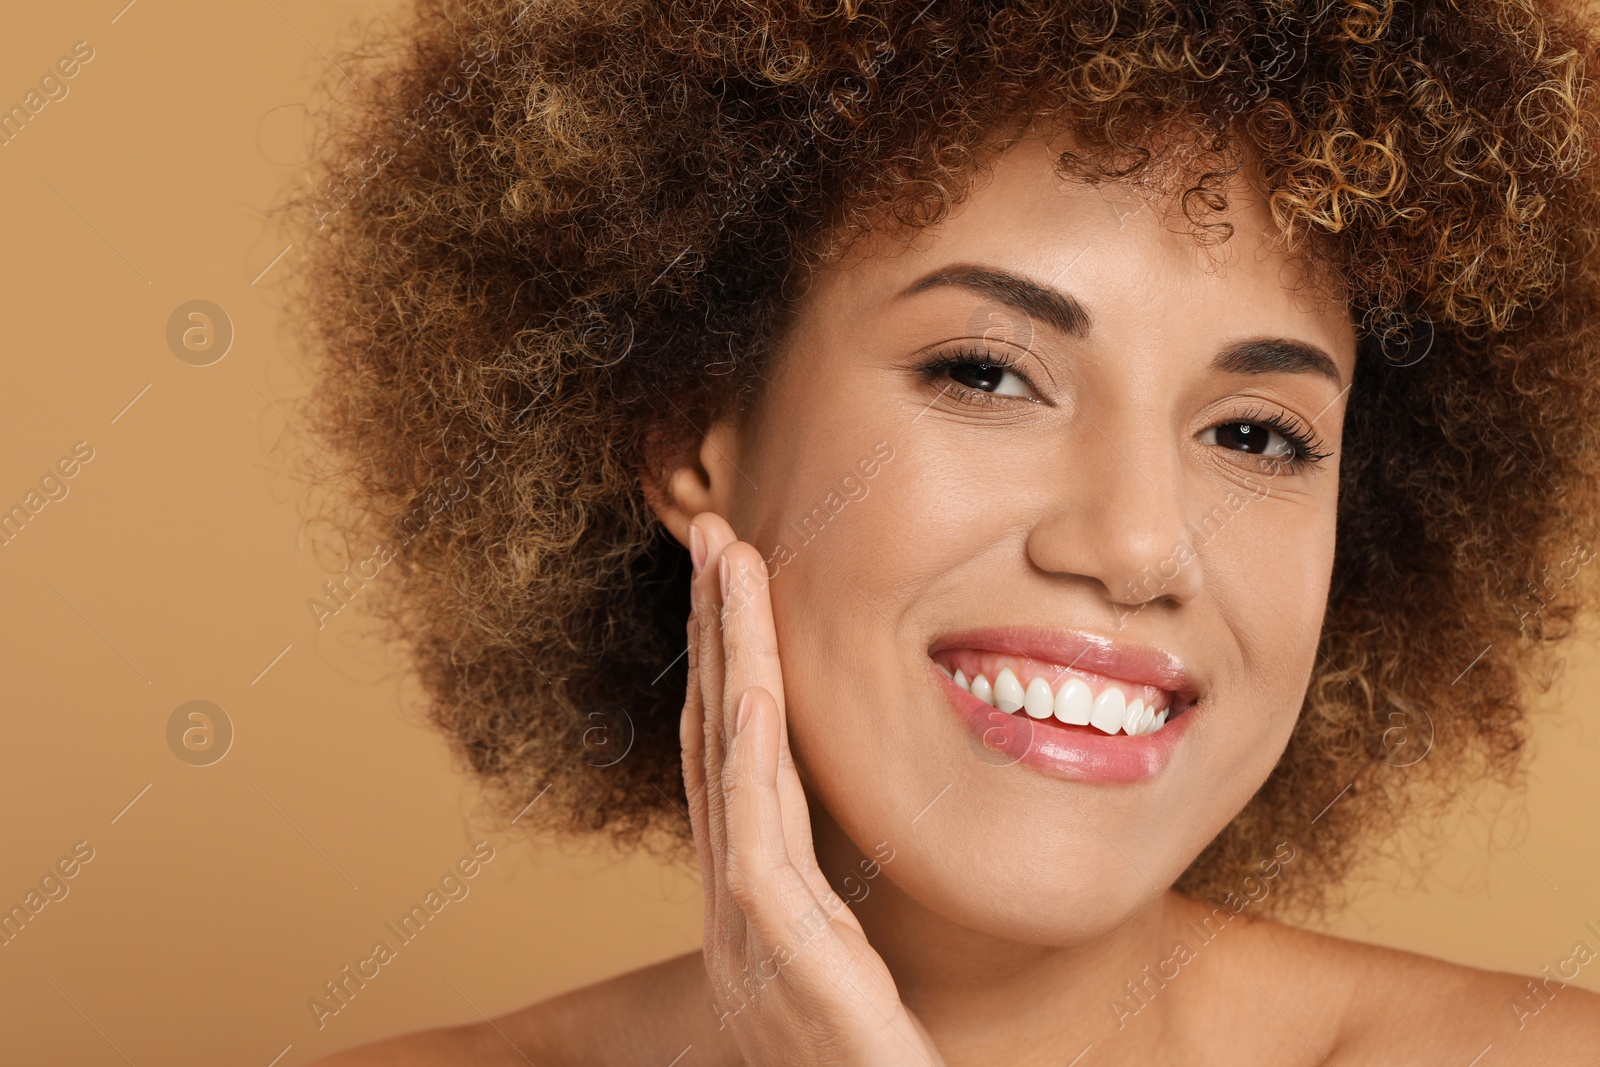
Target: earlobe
x=680, y=485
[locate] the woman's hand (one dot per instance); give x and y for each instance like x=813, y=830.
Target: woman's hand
x=795, y=979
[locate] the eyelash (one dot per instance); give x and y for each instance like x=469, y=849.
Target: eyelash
x=1307, y=448
x=940, y=367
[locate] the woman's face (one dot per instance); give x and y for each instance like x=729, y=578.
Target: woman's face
x=1040, y=443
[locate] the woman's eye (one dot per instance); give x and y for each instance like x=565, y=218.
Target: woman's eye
x=1253, y=438
x=989, y=378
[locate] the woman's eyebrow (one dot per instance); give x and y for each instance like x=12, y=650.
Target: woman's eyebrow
x=1277, y=355
x=1065, y=313
x=1032, y=299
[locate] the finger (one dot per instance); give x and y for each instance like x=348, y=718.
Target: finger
x=756, y=851
x=750, y=638
x=723, y=944
x=770, y=893
x=752, y=659
x=691, y=736
x=706, y=596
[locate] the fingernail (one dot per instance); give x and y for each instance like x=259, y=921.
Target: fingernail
x=697, y=548
x=722, y=574
x=744, y=712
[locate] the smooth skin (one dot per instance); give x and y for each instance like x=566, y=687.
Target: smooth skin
x=881, y=889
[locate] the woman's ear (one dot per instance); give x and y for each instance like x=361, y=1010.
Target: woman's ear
x=681, y=478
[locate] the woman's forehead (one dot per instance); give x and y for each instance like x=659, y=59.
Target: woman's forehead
x=1112, y=249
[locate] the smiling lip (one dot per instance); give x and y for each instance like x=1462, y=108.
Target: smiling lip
x=1064, y=751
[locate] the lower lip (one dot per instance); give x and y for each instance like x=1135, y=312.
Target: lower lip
x=1073, y=753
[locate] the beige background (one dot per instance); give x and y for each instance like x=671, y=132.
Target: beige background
x=220, y=898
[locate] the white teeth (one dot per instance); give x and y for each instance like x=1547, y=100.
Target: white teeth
x=1109, y=712
x=982, y=690
x=1073, y=702
x=1008, y=694
x=1132, y=716
x=1039, y=702
x=944, y=670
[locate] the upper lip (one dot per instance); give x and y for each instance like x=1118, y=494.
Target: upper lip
x=1121, y=660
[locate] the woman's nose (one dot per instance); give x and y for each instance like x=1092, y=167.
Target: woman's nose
x=1118, y=517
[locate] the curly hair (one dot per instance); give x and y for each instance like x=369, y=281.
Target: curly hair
x=548, y=240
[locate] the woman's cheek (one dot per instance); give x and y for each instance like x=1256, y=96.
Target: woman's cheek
x=1270, y=582
x=852, y=676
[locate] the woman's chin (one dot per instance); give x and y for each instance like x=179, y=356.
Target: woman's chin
x=1024, y=900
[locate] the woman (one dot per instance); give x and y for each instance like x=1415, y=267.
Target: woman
x=1115, y=463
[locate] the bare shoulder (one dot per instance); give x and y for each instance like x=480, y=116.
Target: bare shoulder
x=1400, y=1006
x=647, y=1017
